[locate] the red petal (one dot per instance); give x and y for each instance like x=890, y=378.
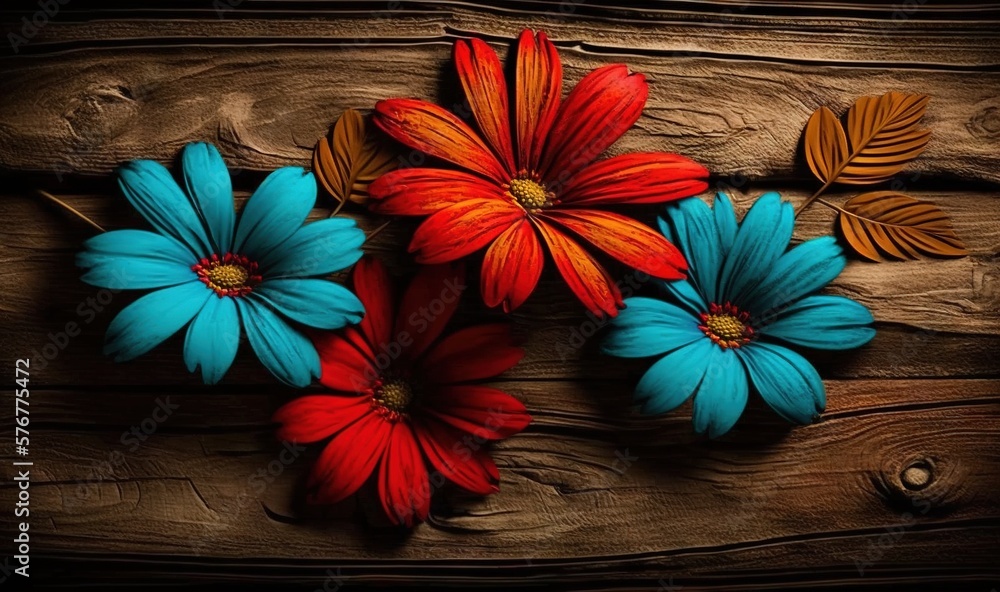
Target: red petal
x=585, y=277
x=349, y=459
x=482, y=77
x=539, y=89
x=427, y=306
x=462, y=229
x=316, y=417
x=458, y=457
x=595, y=114
x=482, y=411
x=632, y=243
x=419, y=192
x=343, y=366
x=473, y=353
x=374, y=288
x=640, y=177
x=433, y=130
x=512, y=266
x=402, y=483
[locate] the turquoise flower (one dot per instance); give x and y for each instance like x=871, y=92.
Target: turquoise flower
x=747, y=297
x=217, y=275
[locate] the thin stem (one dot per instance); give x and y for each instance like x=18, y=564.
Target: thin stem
x=337, y=209
x=71, y=209
x=378, y=230
x=812, y=198
x=832, y=206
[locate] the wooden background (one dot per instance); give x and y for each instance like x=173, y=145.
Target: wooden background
x=898, y=484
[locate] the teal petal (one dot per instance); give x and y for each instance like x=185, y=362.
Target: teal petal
x=684, y=293
x=725, y=222
x=762, y=238
x=153, y=193
x=318, y=248
x=785, y=380
x=722, y=395
x=316, y=303
x=207, y=181
x=824, y=322
x=698, y=238
x=275, y=211
x=152, y=319
x=135, y=260
x=802, y=270
x=285, y=352
x=212, y=339
x=674, y=378
x=648, y=327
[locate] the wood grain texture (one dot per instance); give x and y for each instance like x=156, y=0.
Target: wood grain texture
x=896, y=485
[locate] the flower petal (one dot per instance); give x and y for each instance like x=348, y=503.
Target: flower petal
x=482, y=411
x=786, y=381
x=371, y=282
x=207, y=181
x=675, y=377
x=464, y=463
x=152, y=191
x=350, y=458
x=584, y=276
x=135, y=260
x=473, y=353
x=427, y=305
x=762, y=238
x=316, y=417
x=512, y=266
x=538, y=91
x=601, y=108
x=684, y=293
x=285, y=352
x=722, y=395
x=431, y=129
x=344, y=366
x=725, y=221
x=649, y=327
x=697, y=235
x=482, y=77
x=462, y=229
x=150, y=320
x=824, y=322
x=631, y=242
x=318, y=248
x=419, y=192
x=317, y=303
x=802, y=270
x=403, y=485
x=212, y=339
x=275, y=211
x=636, y=178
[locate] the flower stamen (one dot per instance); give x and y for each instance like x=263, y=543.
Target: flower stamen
x=727, y=326
x=229, y=275
x=391, y=398
x=528, y=190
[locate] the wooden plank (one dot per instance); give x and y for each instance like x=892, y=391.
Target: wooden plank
x=580, y=501
x=102, y=106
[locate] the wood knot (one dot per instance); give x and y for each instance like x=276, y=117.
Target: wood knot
x=985, y=123
x=917, y=476
x=921, y=485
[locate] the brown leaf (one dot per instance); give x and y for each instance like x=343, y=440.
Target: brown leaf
x=893, y=224
x=351, y=158
x=881, y=131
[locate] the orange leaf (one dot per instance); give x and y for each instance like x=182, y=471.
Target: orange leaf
x=826, y=144
x=351, y=158
x=893, y=224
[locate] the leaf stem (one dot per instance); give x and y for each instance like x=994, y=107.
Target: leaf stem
x=337, y=209
x=832, y=206
x=813, y=197
x=71, y=209
x=377, y=230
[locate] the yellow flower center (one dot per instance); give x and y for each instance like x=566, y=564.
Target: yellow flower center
x=726, y=325
x=229, y=275
x=392, y=397
x=529, y=192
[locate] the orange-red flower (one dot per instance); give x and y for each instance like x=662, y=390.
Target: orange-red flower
x=536, y=183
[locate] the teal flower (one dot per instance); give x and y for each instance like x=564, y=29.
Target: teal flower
x=217, y=275
x=747, y=297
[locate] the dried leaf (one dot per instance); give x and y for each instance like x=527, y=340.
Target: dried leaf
x=893, y=224
x=351, y=158
x=882, y=134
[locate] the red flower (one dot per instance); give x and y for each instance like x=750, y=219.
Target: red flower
x=402, y=398
x=533, y=184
